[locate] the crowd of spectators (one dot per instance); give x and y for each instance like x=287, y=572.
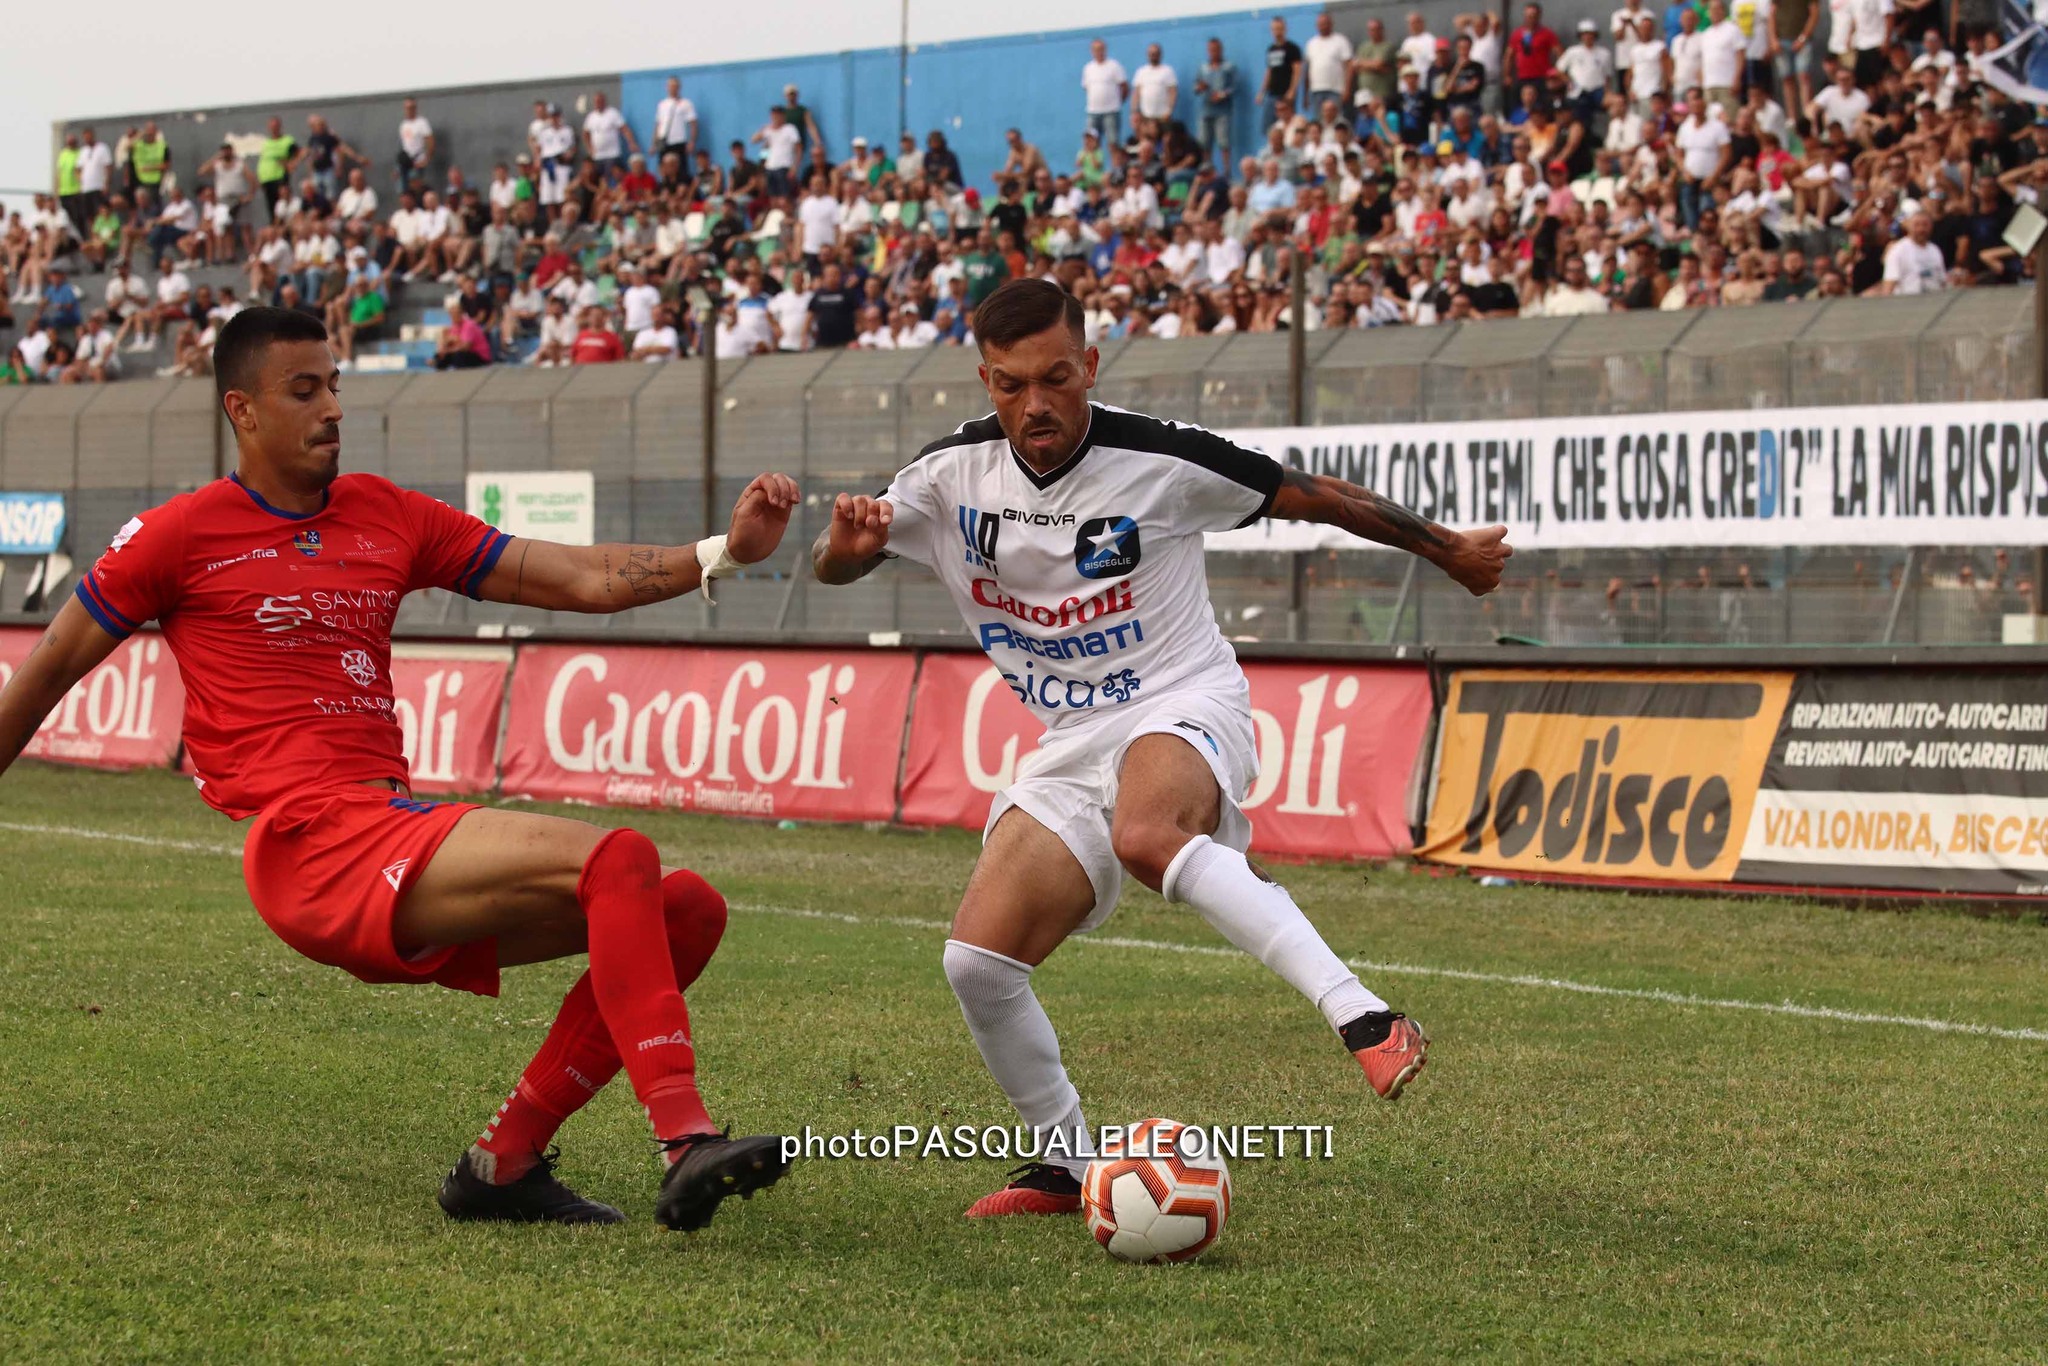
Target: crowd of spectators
x=1705, y=153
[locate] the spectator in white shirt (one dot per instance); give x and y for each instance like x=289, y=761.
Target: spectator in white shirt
x=1154, y=88
x=820, y=216
x=358, y=202
x=557, y=334
x=1703, y=150
x=638, y=300
x=1222, y=254
x=788, y=309
x=1913, y=264
x=656, y=340
x=675, y=124
x=1649, y=66
x=1418, y=49
x=780, y=143
x=1104, y=87
x=1326, y=64
x=1625, y=25
x=1724, y=53
x=604, y=129
x=912, y=333
x=1686, y=50
x=415, y=144
x=1841, y=104
x=1587, y=67
x=1870, y=36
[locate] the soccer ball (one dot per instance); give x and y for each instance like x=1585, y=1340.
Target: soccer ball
x=1148, y=1202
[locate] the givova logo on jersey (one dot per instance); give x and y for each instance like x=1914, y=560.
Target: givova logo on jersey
x=1106, y=547
x=979, y=530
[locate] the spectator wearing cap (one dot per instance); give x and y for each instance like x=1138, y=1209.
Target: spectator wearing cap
x=1531, y=54
x=1587, y=68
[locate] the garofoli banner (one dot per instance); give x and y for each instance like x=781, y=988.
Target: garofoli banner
x=1929, y=781
x=1337, y=748
x=775, y=733
x=447, y=699
x=1901, y=474
x=127, y=713
x=1611, y=774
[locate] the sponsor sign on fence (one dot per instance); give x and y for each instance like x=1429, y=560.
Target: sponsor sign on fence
x=127, y=713
x=1897, y=778
x=553, y=505
x=1337, y=746
x=448, y=699
x=1902, y=474
x=31, y=523
x=1610, y=774
x=796, y=733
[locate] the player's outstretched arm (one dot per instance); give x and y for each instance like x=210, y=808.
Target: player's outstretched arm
x=66, y=653
x=614, y=577
x=854, y=543
x=1474, y=559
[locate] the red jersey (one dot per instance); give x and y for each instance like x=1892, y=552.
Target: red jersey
x=596, y=348
x=281, y=623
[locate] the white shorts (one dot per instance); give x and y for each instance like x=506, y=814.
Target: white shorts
x=1069, y=785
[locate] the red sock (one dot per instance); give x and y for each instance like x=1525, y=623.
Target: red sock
x=634, y=978
x=574, y=1062
x=695, y=913
x=578, y=1057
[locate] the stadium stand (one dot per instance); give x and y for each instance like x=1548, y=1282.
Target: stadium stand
x=1691, y=156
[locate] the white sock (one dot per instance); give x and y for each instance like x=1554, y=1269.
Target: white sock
x=1261, y=918
x=1018, y=1044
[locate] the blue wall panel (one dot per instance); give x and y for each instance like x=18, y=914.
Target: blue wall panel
x=972, y=90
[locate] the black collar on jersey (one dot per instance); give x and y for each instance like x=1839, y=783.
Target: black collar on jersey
x=261, y=502
x=1042, y=482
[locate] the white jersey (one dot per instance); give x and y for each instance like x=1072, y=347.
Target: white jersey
x=1087, y=586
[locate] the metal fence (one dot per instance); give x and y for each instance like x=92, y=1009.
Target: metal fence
x=849, y=419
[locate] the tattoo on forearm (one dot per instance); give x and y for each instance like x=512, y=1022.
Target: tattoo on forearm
x=1362, y=512
x=645, y=572
x=520, y=584
x=1413, y=530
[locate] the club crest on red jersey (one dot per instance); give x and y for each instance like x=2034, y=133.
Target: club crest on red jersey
x=308, y=543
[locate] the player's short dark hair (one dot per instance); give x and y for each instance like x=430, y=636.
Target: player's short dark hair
x=242, y=341
x=1024, y=308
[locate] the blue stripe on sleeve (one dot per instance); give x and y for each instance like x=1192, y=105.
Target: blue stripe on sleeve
x=100, y=613
x=107, y=603
x=493, y=549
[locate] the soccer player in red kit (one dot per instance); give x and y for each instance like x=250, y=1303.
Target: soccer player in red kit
x=276, y=588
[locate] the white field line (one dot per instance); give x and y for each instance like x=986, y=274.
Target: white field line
x=1363, y=965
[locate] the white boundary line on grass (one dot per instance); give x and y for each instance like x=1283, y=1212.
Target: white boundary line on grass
x=1507, y=979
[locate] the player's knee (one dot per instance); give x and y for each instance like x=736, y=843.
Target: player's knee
x=621, y=858
x=1146, y=847
x=982, y=977
x=694, y=907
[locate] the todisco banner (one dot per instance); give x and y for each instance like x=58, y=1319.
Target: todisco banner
x=1616, y=774
x=1907, y=779
x=1902, y=474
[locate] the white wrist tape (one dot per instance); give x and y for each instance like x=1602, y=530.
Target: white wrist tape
x=716, y=562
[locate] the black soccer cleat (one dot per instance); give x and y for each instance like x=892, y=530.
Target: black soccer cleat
x=535, y=1198
x=713, y=1166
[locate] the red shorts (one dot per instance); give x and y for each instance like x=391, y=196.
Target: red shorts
x=326, y=868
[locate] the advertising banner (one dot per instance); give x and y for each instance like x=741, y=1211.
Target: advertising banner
x=127, y=713
x=448, y=699
x=1638, y=774
x=773, y=733
x=1902, y=474
x=31, y=523
x=1337, y=747
x=1907, y=779
x=554, y=505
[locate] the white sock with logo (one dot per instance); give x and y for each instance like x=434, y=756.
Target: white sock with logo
x=1017, y=1043
x=1261, y=918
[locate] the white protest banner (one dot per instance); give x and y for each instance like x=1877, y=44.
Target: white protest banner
x=551, y=505
x=1901, y=474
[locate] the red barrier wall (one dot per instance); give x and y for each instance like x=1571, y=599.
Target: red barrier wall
x=124, y=714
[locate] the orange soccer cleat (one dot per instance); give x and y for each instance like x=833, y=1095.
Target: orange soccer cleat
x=1039, y=1188
x=1394, y=1058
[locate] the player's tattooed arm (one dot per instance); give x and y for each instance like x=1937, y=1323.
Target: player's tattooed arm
x=1475, y=559
x=639, y=571
x=855, y=541
x=66, y=653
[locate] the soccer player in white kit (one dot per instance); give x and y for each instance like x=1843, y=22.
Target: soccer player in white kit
x=1070, y=534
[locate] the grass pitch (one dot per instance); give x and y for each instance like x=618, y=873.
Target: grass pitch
x=214, y=1150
